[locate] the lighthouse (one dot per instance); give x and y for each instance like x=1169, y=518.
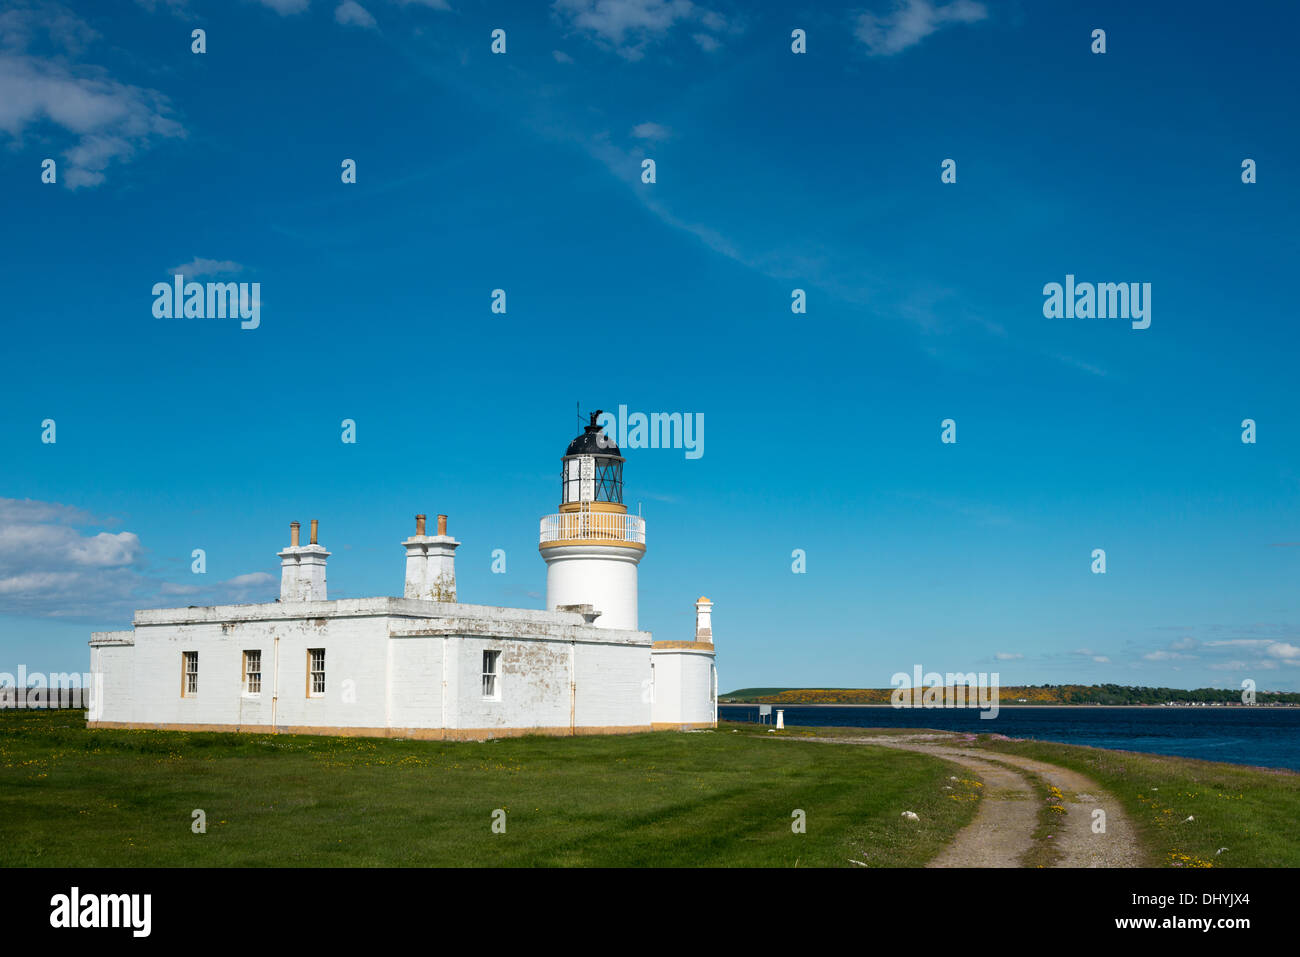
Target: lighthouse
x=427, y=664
x=592, y=546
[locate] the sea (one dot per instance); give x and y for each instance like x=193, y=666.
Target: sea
x=1262, y=736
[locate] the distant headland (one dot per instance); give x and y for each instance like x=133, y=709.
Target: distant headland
x=1011, y=695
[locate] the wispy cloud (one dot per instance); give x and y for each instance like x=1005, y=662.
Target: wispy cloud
x=286, y=7
x=352, y=14
x=198, y=266
x=107, y=121
x=651, y=131
x=628, y=27
x=910, y=22
x=55, y=564
x=1087, y=367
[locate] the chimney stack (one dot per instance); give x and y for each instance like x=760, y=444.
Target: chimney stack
x=704, y=620
x=431, y=563
x=302, y=568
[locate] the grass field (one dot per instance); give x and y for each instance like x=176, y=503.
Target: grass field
x=70, y=796
x=1249, y=812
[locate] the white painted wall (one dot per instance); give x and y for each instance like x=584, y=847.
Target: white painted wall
x=381, y=672
x=684, y=691
x=603, y=576
x=613, y=685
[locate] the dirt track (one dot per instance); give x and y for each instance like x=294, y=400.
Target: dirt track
x=1003, y=830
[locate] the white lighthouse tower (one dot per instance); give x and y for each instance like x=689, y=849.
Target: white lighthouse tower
x=592, y=546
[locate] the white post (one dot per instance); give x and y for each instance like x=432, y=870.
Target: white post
x=780, y=717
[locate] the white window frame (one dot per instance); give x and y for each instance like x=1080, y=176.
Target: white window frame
x=248, y=690
x=189, y=675
x=313, y=671
x=491, y=674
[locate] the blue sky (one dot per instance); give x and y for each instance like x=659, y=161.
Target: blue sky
x=774, y=171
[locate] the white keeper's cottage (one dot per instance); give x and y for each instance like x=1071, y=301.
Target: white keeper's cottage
x=425, y=665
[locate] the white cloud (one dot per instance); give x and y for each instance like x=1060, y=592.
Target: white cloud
x=1101, y=659
x=431, y=4
x=1008, y=656
x=51, y=566
x=23, y=22
x=910, y=22
x=175, y=6
x=171, y=588
x=199, y=266
x=561, y=56
x=1166, y=656
x=627, y=26
x=651, y=131
x=1267, y=648
x=1079, y=364
x=24, y=548
x=251, y=580
x=28, y=511
x=108, y=121
x=286, y=7
x=705, y=42
x=351, y=13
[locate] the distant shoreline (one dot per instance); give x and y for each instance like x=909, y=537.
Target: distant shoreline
x=1005, y=704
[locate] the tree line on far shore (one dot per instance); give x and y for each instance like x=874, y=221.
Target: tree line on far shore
x=1022, y=694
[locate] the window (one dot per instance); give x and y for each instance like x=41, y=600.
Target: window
x=189, y=673
x=315, y=672
x=569, y=475
x=252, y=672
x=587, y=478
x=609, y=481
x=490, y=661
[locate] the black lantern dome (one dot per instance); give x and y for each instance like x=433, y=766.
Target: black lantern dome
x=592, y=468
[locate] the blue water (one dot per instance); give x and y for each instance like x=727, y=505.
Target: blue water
x=1268, y=737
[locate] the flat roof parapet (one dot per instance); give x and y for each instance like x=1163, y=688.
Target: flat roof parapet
x=353, y=608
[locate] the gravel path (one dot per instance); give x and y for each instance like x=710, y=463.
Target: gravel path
x=1003, y=829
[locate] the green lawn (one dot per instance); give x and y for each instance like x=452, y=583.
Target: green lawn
x=70, y=796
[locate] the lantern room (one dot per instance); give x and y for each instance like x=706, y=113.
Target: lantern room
x=592, y=469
